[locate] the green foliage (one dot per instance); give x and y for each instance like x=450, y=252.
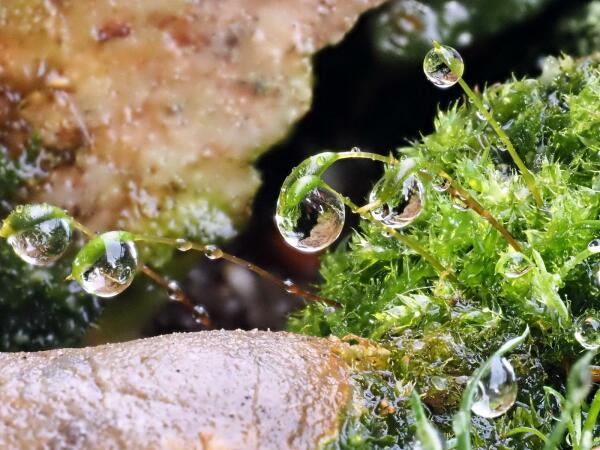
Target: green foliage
x=440, y=331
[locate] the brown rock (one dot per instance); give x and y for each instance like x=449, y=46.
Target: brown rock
x=154, y=110
x=208, y=390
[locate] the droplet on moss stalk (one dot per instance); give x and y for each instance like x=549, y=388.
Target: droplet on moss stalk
x=443, y=66
x=213, y=252
x=587, y=330
x=594, y=246
x=39, y=234
x=497, y=390
x=459, y=204
x=403, y=207
x=516, y=266
x=183, y=245
x=315, y=223
x=440, y=184
x=107, y=264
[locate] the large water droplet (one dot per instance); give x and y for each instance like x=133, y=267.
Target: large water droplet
x=443, y=66
x=44, y=243
x=594, y=246
x=403, y=207
x=497, y=390
x=107, y=264
x=316, y=222
x=39, y=234
x=516, y=266
x=587, y=330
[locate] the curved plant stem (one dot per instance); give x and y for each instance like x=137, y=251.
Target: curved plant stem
x=527, y=175
x=574, y=262
x=217, y=253
x=196, y=311
x=367, y=155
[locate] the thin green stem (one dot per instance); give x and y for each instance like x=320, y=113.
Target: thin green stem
x=527, y=175
x=81, y=227
x=367, y=155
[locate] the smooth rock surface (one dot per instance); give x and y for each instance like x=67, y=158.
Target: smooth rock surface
x=151, y=112
x=208, y=390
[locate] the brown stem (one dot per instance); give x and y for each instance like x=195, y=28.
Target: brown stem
x=596, y=374
x=457, y=191
x=177, y=294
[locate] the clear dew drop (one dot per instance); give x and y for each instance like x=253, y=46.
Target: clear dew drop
x=587, y=330
x=174, y=291
x=201, y=315
x=317, y=223
x=213, y=252
x=497, y=390
x=183, y=245
x=594, y=246
x=355, y=150
x=459, y=204
x=403, y=208
x=43, y=243
x=290, y=287
x=516, y=266
x=443, y=66
x=440, y=184
x=114, y=269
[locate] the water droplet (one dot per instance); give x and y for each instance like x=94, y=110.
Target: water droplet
x=201, y=315
x=436, y=442
x=459, y=203
x=290, y=287
x=497, y=390
x=404, y=206
x=183, y=245
x=175, y=292
x=213, y=252
x=516, y=266
x=107, y=264
x=443, y=66
x=587, y=330
x=315, y=224
x=440, y=183
x=355, y=150
x=480, y=115
x=39, y=234
x=594, y=246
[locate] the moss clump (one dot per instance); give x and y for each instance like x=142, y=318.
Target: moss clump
x=438, y=331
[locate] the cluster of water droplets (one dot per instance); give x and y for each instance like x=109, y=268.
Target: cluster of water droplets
x=497, y=390
x=315, y=223
x=403, y=207
x=587, y=330
x=443, y=66
x=107, y=264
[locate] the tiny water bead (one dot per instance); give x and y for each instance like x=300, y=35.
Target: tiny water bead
x=497, y=390
x=459, y=204
x=213, y=252
x=587, y=330
x=403, y=207
x=443, y=66
x=39, y=234
x=440, y=184
x=594, y=246
x=290, y=287
x=107, y=264
x=315, y=223
x=516, y=266
x=174, y=291
x=183, y=245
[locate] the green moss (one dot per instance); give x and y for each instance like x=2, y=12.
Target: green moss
x=438, y=331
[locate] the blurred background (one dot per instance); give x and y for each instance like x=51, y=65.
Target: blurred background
x=370, y=93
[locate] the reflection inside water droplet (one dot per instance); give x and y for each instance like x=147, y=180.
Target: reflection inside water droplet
x=587, y=330
x=315, y=224
x=497, y=390
x=43, y=243
x=115, y=267
x=594, y=246
x=516, y=266
x=403, y=207
x=443, y=66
